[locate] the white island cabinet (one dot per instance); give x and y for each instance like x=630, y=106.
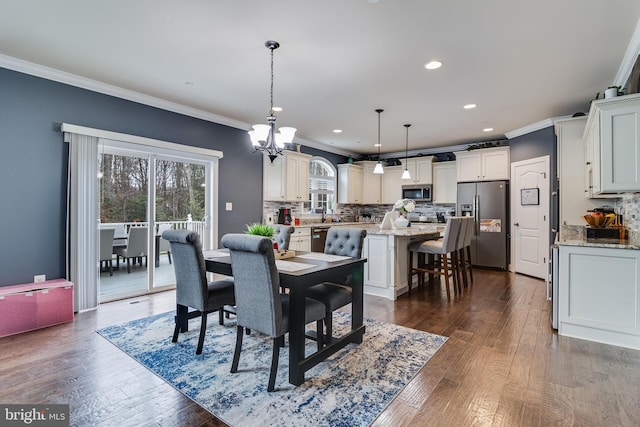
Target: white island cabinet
x=599, y=294
x=385, y=273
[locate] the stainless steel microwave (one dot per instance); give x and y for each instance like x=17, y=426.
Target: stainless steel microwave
x=419, y=192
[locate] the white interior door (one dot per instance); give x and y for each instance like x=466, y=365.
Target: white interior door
x=530, y=216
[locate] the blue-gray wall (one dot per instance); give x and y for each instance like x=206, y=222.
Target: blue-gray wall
x=540, y=143
x=33, y=165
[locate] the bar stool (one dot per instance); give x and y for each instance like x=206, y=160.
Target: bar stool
x=440, y=249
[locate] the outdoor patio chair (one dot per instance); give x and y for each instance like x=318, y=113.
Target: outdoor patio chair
x=136, y=247
x=106, y=249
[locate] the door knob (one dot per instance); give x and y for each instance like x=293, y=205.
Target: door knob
x=516, y=224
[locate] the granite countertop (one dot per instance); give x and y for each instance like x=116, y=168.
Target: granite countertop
x=576, y=236
x=600, y=243
x=374, y=228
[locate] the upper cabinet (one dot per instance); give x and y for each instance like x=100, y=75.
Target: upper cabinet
x=612, y=146
x=445, y=187
x=486, y=164
x=392, y=184
x=350, y=183
x=420, y=169
x=371, y=184
x=287, y=178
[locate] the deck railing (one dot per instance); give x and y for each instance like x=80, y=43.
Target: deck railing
x=197, y=226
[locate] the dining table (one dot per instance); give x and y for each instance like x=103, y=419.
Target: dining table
x=297, y=274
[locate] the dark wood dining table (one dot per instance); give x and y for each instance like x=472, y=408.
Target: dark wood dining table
x=298, y=282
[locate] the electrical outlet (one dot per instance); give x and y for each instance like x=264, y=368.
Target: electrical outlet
x=40, y=278
x=229, y=206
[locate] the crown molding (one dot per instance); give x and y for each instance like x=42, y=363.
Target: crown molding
x=52, y=74
x=629, y=59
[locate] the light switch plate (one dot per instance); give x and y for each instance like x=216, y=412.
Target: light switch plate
x=229, y=206
x=39, y=278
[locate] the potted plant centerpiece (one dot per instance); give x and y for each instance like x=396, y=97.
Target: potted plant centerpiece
x=258, y=229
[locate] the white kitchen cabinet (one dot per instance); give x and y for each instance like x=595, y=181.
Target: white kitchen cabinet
x=287, y=178
x=371, y=184
x=350, y=178
x=273, y=179
x=612, y=141
x=485, y=164
x=445, y=185
x=297, y=187
x=385, y=273
x=599, y=295
x=420, y=169
x=572, y=170
x=301, y=239
x=392, y=184
x=375, y=250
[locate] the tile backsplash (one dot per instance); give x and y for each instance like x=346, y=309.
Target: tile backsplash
x=348, y=213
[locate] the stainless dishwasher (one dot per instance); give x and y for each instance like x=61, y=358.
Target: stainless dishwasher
x=318, y=238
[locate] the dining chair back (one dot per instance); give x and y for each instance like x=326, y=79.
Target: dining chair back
x=106, y=248
x=136, y=246
x=192, y=288
x=259, y=305
x=283, y=236
x=345, y=242
x=439, y=249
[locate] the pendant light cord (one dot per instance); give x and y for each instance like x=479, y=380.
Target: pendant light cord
x=406, y=146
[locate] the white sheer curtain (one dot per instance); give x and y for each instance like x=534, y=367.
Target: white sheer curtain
x=82, y=217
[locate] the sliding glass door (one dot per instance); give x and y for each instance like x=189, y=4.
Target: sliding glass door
x=142, y=194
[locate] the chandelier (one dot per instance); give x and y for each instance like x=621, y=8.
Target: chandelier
x=264, y=137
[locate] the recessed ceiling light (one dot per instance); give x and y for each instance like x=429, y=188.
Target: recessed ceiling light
x=470, y=106
x=337, y=131
x=277, y=108
x=487, y=129
x=377, y=145
x=433, y=65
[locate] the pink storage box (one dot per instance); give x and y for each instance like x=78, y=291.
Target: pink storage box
x=35, y=305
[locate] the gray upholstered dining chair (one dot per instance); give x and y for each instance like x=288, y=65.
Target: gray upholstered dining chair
x=136, y=246
x=283, y=236
x=192, y=288
x=340, y=241
x=259, y=304
x=106, y=248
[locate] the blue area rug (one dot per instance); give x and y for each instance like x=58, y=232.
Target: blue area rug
x=351, y=388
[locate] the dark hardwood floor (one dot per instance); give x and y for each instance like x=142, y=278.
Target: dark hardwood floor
x=502, y=365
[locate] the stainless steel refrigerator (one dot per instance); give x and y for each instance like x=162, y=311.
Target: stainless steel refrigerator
x=488, y=203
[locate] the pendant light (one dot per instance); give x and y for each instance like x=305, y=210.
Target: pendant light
x=264, y=137
x=378, y=169
x=406, y=174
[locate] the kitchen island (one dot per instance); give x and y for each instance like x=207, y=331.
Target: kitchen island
x=599, y=290
x=385, y=273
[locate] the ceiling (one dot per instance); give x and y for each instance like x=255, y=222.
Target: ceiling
x=339, y=60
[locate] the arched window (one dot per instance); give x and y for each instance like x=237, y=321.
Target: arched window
x=322, y=185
